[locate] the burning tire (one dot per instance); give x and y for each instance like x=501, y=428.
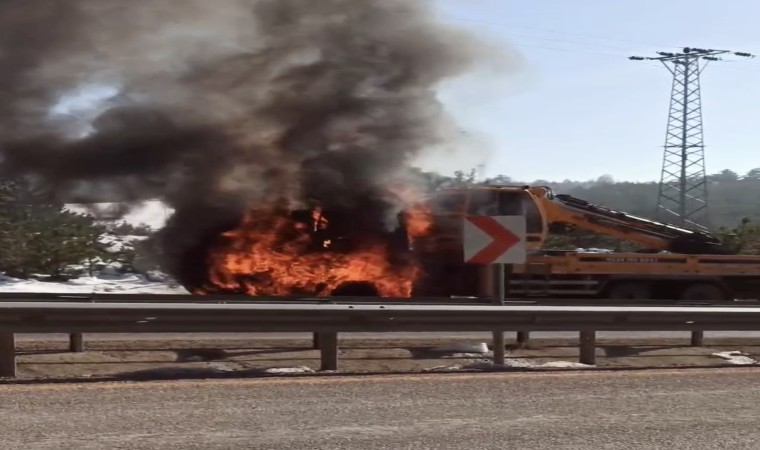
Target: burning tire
x=356, y=289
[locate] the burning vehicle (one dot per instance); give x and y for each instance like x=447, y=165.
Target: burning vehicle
x=313, y=252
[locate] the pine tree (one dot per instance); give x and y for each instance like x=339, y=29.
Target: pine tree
x=39, y=237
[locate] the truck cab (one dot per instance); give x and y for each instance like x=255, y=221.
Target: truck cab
x=448, y=207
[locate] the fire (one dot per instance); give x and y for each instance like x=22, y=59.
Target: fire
x=419, y=220
x=418, y=216
x=271, y=253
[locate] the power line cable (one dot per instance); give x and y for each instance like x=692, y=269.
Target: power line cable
x=566, y=41
x=588, y=44
x=543, y=47
x=507, y=25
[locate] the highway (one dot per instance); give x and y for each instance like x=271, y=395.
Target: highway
x=669, y=409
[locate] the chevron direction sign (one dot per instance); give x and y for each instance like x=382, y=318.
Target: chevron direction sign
x=494, y=239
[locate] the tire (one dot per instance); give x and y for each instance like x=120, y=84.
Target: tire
x=356, y=289
x=704, y=292
x=630, y=290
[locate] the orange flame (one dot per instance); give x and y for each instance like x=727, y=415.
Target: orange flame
x=272, y=254
x=418, y=216
x=419, y=221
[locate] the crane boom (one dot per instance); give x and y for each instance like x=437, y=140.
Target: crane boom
x=566, y=209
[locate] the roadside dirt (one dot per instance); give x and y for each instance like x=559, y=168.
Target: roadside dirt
x=207, y=358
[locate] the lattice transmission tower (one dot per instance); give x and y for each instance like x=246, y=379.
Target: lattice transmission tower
x=682, y=196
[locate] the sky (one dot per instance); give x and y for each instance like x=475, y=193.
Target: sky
x=571, y=105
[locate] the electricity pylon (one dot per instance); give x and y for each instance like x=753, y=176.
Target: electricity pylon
x=682, y=196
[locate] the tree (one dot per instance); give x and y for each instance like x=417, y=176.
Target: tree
x=753, y=174
x=39, y=237
x=724, y=176
x=743, y=239
x=605, y=179
x=501, y=180
x=127, y=229
x=464, y=179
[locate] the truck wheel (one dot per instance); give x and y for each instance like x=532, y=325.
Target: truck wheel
x=702, y=291
x=630, y=291
x=356, y=289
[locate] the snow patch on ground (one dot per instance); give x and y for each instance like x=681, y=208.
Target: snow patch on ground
x=479, y=352
x=288, y=370
x=512, y=363
x=565, y=365
x=736, y=357
x=479, y=348
x=104, y=283
x=462, y=351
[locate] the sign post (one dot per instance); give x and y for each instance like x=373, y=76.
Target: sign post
x=495, y=241
x=499, y=343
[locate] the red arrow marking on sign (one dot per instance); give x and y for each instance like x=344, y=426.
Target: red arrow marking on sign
x=502, y=239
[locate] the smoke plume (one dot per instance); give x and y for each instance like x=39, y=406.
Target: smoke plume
x=225, y=104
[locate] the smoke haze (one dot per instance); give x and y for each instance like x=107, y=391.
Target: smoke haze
x=226, y=104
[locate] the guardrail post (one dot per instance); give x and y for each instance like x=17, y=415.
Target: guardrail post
x=523, y=337
x=7, y=355
x=499, y=348
x=328, y=344
x=587, y=347
x=76, y=342
x=697, y=338
x=315, y=341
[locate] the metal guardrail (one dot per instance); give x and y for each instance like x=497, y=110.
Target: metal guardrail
x=245, y=299
x=330, y=319
x=230, y=299
x=67, y=317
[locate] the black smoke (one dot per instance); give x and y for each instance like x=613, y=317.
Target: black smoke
x=225, y=104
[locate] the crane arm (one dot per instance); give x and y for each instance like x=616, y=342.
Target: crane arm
x=654, y=235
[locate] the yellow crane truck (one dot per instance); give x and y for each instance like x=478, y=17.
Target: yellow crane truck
x=673, y=263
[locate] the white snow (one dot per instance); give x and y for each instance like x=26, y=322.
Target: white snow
x=565, y=365
x=528, y=364
x=288, y=370
x=153, y=213
x=736, y=357
x=477, y=353
x=122, y=284
x=117, y=243
x=480, y=348
x=513, y=363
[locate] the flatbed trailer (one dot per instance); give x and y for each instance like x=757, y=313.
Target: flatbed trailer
x=637, y=276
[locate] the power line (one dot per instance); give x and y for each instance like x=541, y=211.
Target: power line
x=544, y=30
x=743, y=66
x=543, y=47
x=588, y=44
x=568, y=41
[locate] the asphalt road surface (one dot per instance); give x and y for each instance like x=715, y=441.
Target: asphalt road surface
x=690, y=409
